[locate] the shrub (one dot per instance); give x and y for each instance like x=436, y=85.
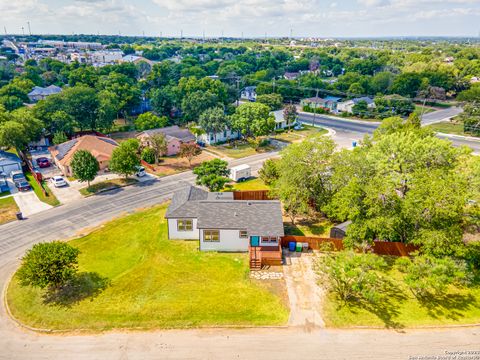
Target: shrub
x=148, y=155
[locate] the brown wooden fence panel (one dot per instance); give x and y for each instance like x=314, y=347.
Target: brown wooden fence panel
x=379, y=247
x=251, y=195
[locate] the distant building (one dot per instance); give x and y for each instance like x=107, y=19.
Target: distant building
x=135, y=59
x=174, y=135
x=291, y=75
x=347, y=106
x=105, y=57
x=280, y=122
x=212, y=138
x=41, y=93
x=249, y=93
x=328, y=103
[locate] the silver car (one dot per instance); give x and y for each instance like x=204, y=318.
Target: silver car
x=58, y=181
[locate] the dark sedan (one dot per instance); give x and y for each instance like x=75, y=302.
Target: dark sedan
x=43, y=162
x=22, y=185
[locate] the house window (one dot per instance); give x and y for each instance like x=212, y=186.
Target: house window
x=225, y=134
x=211, y=235
x=269, y=239
x=243, y=234
x=185, y=225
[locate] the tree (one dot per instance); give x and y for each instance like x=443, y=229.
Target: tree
x=290, y=114
x=84, y=166
x=81, y=103
x=194, y=104
x=353, y=276
x=158, y=142
x=427, y=276
x=472, y=94
x=59, y=137
x=163, y=100
x=149, y=120
x=253, y=120
x=48, y=265
x=148, y=155
x=214, y=120
x=13, y=135
x=407, y=84
x=33, y=126
x=189, y=151
x=125, y=158
x=273, y=101
x=269, y=171
x=212, y=174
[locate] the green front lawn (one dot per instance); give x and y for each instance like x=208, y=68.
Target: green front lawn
x=402, y=309
x=153, y=283
x=8, y=209
x=248, y=185
x=450, y=127
x=299, y=135
x=106, y=186
x=50, y=198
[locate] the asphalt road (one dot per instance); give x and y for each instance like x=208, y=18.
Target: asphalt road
x=289, y=343
x=352, y=130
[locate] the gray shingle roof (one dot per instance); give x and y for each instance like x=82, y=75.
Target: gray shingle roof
x=263, y=218
x=183, y=135
x=64, y=148
x=49, y=90
x=8, y=158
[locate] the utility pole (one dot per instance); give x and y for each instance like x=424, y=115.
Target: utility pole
x=203, y=35
x=238, y=90
x=291, y=34
x=5, y=28
x=181, y=34
x=273, y=85
x=23, y=30
x=315, y=109
x=29, y=30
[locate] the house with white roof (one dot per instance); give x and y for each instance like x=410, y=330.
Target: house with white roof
x=41, y=93
x=347, y=106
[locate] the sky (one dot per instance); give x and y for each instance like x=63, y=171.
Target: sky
x=253, y=18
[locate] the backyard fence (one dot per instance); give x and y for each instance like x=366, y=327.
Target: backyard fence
x=251, y=195
x=379, y=247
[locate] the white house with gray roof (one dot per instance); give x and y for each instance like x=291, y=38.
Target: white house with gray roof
x=221, y=223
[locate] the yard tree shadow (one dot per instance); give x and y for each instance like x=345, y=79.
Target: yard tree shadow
x=449, y=306
x=85, y=285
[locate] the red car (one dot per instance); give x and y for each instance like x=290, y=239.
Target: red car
x=43, y=162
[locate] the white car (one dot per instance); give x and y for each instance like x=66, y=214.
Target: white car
x=140, y=171
x=58, y=181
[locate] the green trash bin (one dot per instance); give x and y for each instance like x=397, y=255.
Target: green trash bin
x=299, y=247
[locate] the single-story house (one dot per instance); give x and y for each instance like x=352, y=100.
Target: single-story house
x=211, y=138
x=221, y=223
x=9, y=162
x=280, y=122
x=99, y=146
x=347, y=106
x=329, y=103
x=41, y=93
x=291, y=75
x=174, y=135
x=249, y=93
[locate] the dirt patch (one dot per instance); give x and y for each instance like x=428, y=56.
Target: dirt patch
x=173, y=165
x=8, y=209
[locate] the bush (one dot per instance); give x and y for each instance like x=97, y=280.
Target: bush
x=269, y=171
x=148, y=155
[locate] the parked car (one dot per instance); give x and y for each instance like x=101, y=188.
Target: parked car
x=22, y=185
x=140, y=171
x=43, y=162
x=17, y=175
x=58, y=181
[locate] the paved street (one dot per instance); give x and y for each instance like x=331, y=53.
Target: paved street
x=283, y=343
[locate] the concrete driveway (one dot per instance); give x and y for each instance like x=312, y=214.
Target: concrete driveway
x=27, y=201
x=304, y=294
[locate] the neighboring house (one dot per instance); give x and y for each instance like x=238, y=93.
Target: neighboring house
x=136, y=59
x=100, y=147
x=347, y=106
x=329, y=103
x=221, y=223
x=9, y=162
x=174, y=135
x=249, y=93
x=474, y=80
x=40, y=93
x=211, y=138
x=291, y=75
x=280, y=122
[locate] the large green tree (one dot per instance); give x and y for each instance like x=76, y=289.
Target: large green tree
x=253, y=119
x=214, y=120
x=212, y=174
x=126, y=158
x=84, y=166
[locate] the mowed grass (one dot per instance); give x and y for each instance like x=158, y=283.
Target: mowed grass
x=49, y=198
x=107, y=185
x=450, y=127
x=8, y=209
x=248, y=185
x=154, y=283
x=402, y=309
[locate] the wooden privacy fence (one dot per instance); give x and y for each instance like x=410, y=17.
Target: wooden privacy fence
x=379, y=247
x=251, y=195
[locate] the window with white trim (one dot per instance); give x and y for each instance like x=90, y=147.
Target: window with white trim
x=269, y=239
x=243, y=234
x=211, y=235
x=184, y=224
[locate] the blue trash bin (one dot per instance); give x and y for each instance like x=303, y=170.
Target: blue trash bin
x=354, y=144
x=292, y=245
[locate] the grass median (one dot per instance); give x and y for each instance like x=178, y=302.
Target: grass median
x=48, y=197
x=107, y=185
x=8, y=209
x=153, y=283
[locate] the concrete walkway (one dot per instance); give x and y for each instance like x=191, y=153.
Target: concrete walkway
x=304, y=294
x=27, y=201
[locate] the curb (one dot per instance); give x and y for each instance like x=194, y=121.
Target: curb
x=469, y=138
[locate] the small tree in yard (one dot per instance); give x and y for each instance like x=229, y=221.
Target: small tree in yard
x=125, y=158
x=48, y=265
x=59, y=138
x=84, y=165
x=189, y=151
x=290, y=114
x=212, y=174
x=353, y=276
x=158, y=143
x=269, y=171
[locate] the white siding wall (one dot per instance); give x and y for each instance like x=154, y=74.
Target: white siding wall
x=207, y=138
x=229, y=241
x=174, y=234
